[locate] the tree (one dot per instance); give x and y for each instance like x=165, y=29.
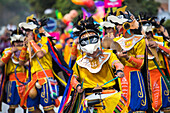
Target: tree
x=150, y=7
x=13, y=11
x=38, y=6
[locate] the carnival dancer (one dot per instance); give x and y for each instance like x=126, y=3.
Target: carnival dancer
x=132, y=56
x=39, y=88
x=159, y=71
x=15, y=73
x=110, y=32
x=108, y=27
x=115, y=31
x=95, y=67
x=159, y=29
x=67, y=49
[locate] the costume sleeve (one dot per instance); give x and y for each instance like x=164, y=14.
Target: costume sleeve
x=115, y=63
x=74, y=50
x=164, y=50
x=6, y=55
x=23, y=53
x=44, y=47
x=74, y=81
x=139, y=50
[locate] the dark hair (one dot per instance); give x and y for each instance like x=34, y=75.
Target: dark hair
x=17, y=32
x=86, y=25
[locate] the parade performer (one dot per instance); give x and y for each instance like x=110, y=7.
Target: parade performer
x=14, y=73
x=158, y=54
x=132, y=56
x=108, y=27
x=159, y=29
x=95, y=67
x=67, y=49
x=110, y=32
x=39, y=88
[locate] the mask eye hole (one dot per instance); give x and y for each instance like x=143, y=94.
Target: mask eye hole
x=94, y=40
x=83, y=43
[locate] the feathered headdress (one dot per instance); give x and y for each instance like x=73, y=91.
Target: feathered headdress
x=84, y=26
x=17, y=35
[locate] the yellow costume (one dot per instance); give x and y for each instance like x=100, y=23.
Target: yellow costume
x=135, y=47
x=13, y=96
x=45, y=61
x=38, y=74
x=159, y=89
x=92, y=79
x=98, y=71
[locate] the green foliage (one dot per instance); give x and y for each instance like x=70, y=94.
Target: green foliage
x=65, y=6
x=13, y=11
x=149, y=7
x=20, y=8
x=38, y=6
x=167, y=25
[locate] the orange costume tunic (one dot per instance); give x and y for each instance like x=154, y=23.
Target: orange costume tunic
x=97, y=72
x=36, y=70
x=159, y=90
x=11, y=62
x=133, y=84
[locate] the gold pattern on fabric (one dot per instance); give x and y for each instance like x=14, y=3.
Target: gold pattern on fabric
x=93, y=65
x=128, y=43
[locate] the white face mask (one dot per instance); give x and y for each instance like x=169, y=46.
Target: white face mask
x=90, y=48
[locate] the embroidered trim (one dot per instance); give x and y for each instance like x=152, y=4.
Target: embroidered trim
x=47, y=108
x=122, y=41
x=13, y=106
x=86, y=63
x=121, y=104
x=31, y=109
x=139, y=56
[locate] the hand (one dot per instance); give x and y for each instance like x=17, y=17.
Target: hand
x=26, y=63
x=76, y=40
x=162, y=29
x=30, y=36
x=14, y=49
x=25, y=43
x=79, y=90
x=153, y=44
x=112, y=36
x=123, y=54
x=120, y=74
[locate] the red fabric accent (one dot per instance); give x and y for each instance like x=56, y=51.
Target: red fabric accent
x=2, y=84
x=22, y=77
x=74, y=51
x=167, y=64
x=74, y=82
x=124, y=31
x=136, y=62
x=40, y=76
x=125, y=83
x=67, y=97
x=165, y=49
x=35, y=37
x=35, y=47
x=6, y=57
x=57, y=56
x=57, y=102
x=22, y=55
x=155, y=82
x=119, y=66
